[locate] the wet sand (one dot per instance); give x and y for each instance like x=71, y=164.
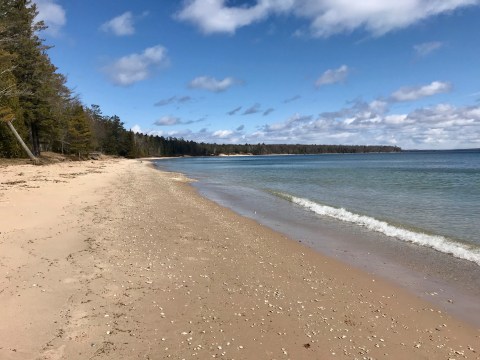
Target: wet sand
x=116, y=260
x=450, y=283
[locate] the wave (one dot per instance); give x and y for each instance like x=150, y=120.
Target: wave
x=439, y=243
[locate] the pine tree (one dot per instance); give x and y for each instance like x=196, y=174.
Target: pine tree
x=9, y=93
x=79, y=132
x=31, y=66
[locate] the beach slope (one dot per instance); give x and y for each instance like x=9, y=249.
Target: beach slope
x=116, y=260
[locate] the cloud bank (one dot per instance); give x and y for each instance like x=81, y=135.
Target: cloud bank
x=326, y=17
x=374, y=122
x=442, y=126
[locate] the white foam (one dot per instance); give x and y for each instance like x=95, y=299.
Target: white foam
x=439, y=243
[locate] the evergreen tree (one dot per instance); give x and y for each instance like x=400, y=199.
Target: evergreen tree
x=113, y=143
x=79, y=132
x=97, y=122
x=32, y=67
x=9, y=104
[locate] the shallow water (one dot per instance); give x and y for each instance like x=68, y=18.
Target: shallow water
x=429, y=198
x=410, y=217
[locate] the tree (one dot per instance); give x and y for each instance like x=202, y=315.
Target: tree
x=97, y=123
x=80, y=134
x=114, y=141
x=7, y=117
x=32, y=68
x=9, y=146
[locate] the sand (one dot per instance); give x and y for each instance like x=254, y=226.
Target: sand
x=116, y=260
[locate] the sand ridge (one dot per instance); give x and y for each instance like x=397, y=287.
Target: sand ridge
x=126, y=262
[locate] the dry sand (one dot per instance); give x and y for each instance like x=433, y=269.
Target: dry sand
x=116, y=260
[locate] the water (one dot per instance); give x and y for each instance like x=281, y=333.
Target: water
x=430, y=199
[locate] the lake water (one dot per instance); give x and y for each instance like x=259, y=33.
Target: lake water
x=431, y=199
x=412, y=218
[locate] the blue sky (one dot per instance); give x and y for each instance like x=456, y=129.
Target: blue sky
x=387, y=72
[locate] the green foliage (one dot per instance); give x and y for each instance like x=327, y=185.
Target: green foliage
x=9, y=103
x=31, y=67
x=79, y=132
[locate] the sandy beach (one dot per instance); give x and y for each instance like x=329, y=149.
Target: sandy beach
x=114, y=259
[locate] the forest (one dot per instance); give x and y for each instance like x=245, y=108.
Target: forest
x=48, y=116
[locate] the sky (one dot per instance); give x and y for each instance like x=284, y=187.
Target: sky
x=376, y=72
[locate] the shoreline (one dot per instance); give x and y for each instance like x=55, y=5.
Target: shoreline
x=451, y=283
x=176, y=275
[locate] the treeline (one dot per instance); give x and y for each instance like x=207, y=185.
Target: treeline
x=160, y=146
x=35, y=99
x=296, y=149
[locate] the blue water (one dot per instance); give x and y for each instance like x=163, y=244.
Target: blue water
x=428, y=198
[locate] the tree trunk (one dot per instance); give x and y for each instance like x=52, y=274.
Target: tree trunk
x=25, y=147
x=35, y=139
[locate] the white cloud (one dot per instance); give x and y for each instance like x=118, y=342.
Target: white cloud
x=425, y=49
x=222, y=134
x=443, y=126
x=136, y=129
x=52, y=14
x=473, y=112
x=333, y=76
x=379, y=106
x=136, y=67
x=375, y=16
x=440, y=127
x=291, y=122
x=121, y=25
x=418, y=92
x=214, y=16
x=212, y=84
x=395, y=119
x=327, y=17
